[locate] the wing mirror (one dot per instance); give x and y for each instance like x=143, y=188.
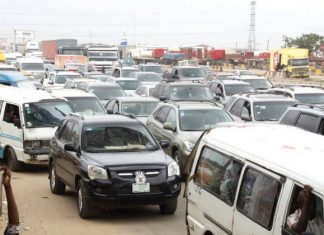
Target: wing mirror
x=164, y=144
x=70, y=147
x=110, y=111
x=168, y=126
x=246, y=117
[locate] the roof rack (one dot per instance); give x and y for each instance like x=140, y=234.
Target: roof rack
x=312, y=106
x=194, y=101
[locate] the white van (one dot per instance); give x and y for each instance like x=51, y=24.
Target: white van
x=245, y=178
x=28, y=121
x=31, y=67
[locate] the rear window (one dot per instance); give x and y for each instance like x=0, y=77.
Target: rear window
x=290, y=117
x=308, y=122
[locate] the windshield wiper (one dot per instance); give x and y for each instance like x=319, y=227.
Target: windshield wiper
x=60, y=111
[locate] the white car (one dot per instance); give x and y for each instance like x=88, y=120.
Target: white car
x=58, y=79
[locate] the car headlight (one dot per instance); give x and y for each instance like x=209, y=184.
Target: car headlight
x=32, y=144
x=189, y=145
x=173, y=169
x=96, y=172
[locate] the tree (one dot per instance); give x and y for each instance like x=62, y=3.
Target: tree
x=310, y=41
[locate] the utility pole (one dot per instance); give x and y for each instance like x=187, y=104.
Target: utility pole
x=15, y=40
x=251, y=40
x=268, y=41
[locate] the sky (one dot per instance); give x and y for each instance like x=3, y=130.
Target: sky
x=222, y=24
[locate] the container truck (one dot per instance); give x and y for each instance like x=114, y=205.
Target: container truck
x=51, y=48
x=293, y=61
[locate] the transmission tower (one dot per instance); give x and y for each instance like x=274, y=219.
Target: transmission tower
x=251, y=42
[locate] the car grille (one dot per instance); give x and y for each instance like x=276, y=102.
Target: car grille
x=131, y=174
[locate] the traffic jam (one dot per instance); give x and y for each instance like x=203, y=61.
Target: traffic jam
x=219, y=141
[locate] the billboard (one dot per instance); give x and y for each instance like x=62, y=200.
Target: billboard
x=26, y=35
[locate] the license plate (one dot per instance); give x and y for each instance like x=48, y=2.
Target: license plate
x=141, y=188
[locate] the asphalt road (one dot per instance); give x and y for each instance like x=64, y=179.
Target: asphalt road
x=42, y=212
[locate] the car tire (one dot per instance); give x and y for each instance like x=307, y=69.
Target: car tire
x=13, y=163
x=56, y=185
x=169, y=208
x=85, y=208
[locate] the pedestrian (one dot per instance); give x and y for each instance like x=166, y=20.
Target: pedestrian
x=13, y=215
x=305, y=218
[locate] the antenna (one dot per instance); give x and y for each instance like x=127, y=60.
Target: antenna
x=251, y=41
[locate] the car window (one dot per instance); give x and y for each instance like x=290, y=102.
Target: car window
x=258, y=197
x=59, y=132
x=110, y=104
x=1, y=102
x=75, y=136
x=172, y=117
x=308, y=122
x=237, y=107
x=66, y=136
x=290, y=117
x=166, y=91
x=161, y=116
x=11, y=113
x=218, y=174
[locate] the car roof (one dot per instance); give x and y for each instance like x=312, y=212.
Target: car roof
x=30, y=60
x=146, y=73
x=9, y=93
x=12, y=76
x=108, y=119
x=247, y=77
x=231, y=82
x=63, y=93
x=299, y=89
x=314, y=109
x=128, y=68
x=266, y=97
x=187, y=67
x=125, y=79
x=287, y=150
x=184, y=83
x=103, y=84
x=67, y=73
x=193, y=105
x=7, y=66
x=137, y=99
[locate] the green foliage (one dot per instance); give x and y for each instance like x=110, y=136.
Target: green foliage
x=310, y=41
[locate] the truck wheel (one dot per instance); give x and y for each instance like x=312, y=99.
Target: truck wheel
x=169, y=208
x=56, y=185
x=13, y=163
x=86, y=210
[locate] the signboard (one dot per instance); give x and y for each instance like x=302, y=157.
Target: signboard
x=27, y=35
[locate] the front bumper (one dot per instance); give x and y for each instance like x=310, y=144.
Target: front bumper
x=37, y=151
x=113, y=193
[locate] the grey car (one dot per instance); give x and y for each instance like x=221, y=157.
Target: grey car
x=182, y=123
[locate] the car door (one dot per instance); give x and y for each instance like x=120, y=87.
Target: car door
x=156, y=124
x=236, y=109
x=257, y=202
x=71, y=159
x=212, y=191
x=169, y=135
x=61, y=156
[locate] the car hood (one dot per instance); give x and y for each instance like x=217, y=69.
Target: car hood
x=127, y=158
x=42, y=133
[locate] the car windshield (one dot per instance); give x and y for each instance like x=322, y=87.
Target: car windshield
x=103, y=78
x=90, y=105
x=238, y=89
x=202, y=119
x=270, y=111
x=8, y=69
x=139, y=108
x=312, y=98
x=129, y=85
x=299, y=62
x=191, y=72
x=259, y=84
x=190, y=93
x=45, y=114
x=32, y=66
x=117, y=138
x=151, y=77
x=155, y=69
x=126, y=73
x=61, y=79
x=106, y=93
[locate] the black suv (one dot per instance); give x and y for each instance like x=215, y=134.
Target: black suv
x=112, y=161
x=182, y=91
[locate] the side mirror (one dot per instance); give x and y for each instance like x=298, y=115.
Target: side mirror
x=217, y=98
x=110, y=111
x=246, y=117
x=163, y=98
x=51, y=82
x=69, y=147
x=174, y=76
x=17, y=123
x=168, y=126
x=164, y=144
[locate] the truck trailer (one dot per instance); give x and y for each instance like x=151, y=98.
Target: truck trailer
x=293, y=61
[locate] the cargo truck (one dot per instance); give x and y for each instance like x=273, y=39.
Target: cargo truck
x=51, y=48
x=293, y=61
x=101, y=56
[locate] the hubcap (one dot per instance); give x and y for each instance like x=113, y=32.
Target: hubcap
x=80, y=199
x=53, y=178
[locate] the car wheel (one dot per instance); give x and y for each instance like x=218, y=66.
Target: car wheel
x=56, y=185
x=13, y=163
x=169, y=208
x=86, y=210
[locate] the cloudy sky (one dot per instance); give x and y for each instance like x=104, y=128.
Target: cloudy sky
x=223, y=24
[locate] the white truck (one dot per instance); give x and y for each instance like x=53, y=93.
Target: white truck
x=32, y=49
x=102, y=57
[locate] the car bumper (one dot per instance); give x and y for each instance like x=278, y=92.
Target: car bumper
x=110, y=195
x=37, y=151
